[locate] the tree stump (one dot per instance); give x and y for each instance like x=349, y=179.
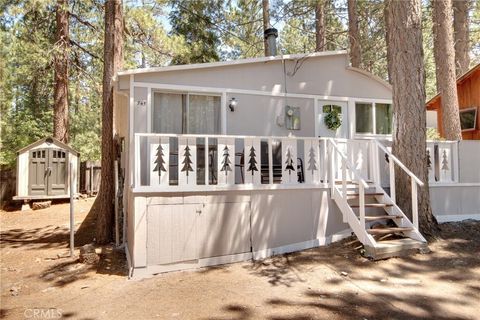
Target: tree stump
x=41, y=205
x=88, y=254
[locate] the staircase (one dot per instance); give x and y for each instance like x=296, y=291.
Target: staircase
x=379, y=224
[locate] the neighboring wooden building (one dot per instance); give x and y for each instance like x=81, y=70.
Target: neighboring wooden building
x=43, y=168
x=468, y=87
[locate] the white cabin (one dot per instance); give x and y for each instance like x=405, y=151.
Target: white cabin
x=233, y=160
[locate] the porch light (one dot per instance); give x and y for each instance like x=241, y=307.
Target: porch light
x=232, y=104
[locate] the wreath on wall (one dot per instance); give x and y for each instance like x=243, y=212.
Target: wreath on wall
x=333, y=120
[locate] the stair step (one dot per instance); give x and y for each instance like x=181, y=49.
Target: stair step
x=393, y=248
x=357, y=195
x=351, y=182
x=388, y=230
x=372, y=205
x=372, y=218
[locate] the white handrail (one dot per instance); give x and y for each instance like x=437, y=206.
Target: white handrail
x=399, y=163
x=232, y=136
x=350, y=165
x=414, y=182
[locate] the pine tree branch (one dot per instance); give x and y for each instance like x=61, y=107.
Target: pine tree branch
x=93, y=55
x=84, y=22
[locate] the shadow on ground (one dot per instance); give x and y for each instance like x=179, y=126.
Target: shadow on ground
x=66, y=270
x=452, y=260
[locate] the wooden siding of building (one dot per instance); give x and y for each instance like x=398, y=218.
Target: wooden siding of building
x=468, y=87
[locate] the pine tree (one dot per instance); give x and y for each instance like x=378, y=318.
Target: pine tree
x=62, y=45
x=252, y=162
x=312, y=162
x=444, y=160
x=160, y=163
x=113, y=60
x=187, y=162
x=289, y=162
x=444, y=54
x=226, y=161
x=354, y=34
x=409, y=139
x=196, y=21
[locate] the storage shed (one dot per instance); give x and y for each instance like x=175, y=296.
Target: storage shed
x=43, y=168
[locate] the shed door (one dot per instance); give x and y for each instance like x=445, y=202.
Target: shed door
x=57, y=179
x=38, y=172
x=48, y=172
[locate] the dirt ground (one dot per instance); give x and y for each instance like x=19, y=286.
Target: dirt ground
x=331, y=282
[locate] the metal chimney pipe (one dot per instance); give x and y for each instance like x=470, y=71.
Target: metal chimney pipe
x=271, y=35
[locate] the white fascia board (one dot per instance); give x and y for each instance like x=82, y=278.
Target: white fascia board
x=230, y=63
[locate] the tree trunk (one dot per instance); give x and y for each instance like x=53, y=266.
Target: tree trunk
x=354, y=34
x=445, y=68
x=266, y=23
x=113, y=57
x=386, y=16
x=320, y=25
x=409, y=136
x=461, y=33
x=60, y=108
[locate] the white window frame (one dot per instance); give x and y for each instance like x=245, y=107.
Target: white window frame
x=150, y=102
x=353, y=121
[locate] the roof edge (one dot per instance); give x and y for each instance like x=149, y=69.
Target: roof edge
x=459, y=79
x=56, y=141
x=371, y=76
x=230, y=63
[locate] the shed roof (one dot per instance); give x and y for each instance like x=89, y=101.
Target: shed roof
x=460, y=79
x=47, y=140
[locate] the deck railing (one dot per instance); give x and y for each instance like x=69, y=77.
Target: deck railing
x=171, y=162
x=168, y=162
x=442, y=161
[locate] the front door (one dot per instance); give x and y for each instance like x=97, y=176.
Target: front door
x=323, y=108
x=48, y=172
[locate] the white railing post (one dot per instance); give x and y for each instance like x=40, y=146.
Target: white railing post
x=391, y=164
x=137, y=161
x=331, y=179
x=455, y=160
x=361, y=189
x=270, y=161
x=344, y=178
x=414, y=203
x=206, y=161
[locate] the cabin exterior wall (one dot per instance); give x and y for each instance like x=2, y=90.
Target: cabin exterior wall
x=326, y=75
x=188, y=230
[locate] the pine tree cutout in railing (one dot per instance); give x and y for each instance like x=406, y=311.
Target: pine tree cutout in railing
x=159, y=162
x=187, y=162
x=312, y=162
x=445, y=161
x=289, y=163
x=252, y=162
x=226, y=162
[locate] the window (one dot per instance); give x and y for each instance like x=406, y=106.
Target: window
x=383, y=118
x=364, y=117
x=331, y=107
x=373, y=118
x=468, y=119
x=186, y=113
